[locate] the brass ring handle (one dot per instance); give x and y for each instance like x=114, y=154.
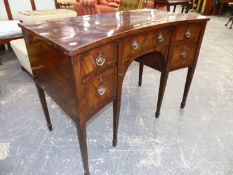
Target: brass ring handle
x=160, y=38
x=188, y=34
x=184, y=54
x=101, y=90
x=100, y=60
x=135, y=45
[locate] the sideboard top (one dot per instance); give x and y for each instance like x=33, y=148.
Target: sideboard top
x=78, y=34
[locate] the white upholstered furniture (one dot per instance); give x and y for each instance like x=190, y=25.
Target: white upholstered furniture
x=20, y=50
x=9, y=29
x=43, y=15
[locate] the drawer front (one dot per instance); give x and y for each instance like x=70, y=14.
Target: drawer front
x=182, y=55
x=98, y=58
x=140, y=44
x=188, y=32
x=159, y=38
x=100, y=90
x=133, y=45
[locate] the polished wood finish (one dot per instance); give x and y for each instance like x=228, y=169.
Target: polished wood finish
x=194, y=29
x=177, y=61
x=183, y=52
x=140, y=74
x=108, y=54
x=33, y=4
x=187, y=84
x=56, y=4
x=82, y=65
x=43, y=102
x=92, y=99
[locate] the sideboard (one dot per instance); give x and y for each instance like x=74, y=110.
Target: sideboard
x=81, y=62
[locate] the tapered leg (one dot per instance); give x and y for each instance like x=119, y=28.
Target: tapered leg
x=140, y=74
x=183, y=7
x=44, y=105
x=187, y=8
x=228, y=22
x=81, y=129
x=162, y=86
x=187, y=85
x=231, y=22
x=174, y=9
x=9, y=46
x=220, y=10
x=117, y=102
x=116, y=113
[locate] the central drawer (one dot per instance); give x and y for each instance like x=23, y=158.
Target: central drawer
x=160, y=37
x=133, y=45
x=143, y=43
x=100, y=90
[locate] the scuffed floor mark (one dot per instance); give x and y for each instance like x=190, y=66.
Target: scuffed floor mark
x=4, y=150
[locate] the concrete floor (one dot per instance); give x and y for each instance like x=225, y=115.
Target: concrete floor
x=195, y=141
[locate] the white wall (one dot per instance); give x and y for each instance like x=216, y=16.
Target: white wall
x=19, y=5
x=24, y=5
x=44, y=4
x=3, y=14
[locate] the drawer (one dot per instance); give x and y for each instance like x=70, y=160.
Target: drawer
x=131, y=46
x=188, y=32
x=98, y=58
x=100, y=91
x=159, y=38
x=140, y=44
x=182, y=55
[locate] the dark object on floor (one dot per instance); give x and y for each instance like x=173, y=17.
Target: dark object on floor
x=230, y=20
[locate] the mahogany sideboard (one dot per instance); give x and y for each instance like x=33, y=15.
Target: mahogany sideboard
x=81, y=62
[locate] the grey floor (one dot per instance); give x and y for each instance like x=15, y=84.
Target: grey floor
x=195, y=141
